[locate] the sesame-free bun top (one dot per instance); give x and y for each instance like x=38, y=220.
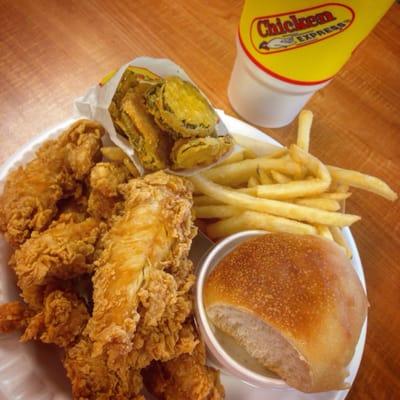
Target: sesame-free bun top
x=294, y=302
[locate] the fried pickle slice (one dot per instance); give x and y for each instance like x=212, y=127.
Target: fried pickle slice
x=151, y=144
x=180, y=108
x=130, y=78
x=199, y=152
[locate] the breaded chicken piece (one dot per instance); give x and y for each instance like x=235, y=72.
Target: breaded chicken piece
x=14, y=316
x=183, y=378
x=92, y=379
x=61, y=321
x=140, y=310
x=64, y=251
x=31, y=192
x=153, y=233
x=105, y=177
x=63, y=318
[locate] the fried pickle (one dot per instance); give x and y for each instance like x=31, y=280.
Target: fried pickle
x=180, y=108
x=198, y=152
x=151, y=144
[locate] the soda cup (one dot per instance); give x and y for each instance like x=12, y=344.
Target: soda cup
x=287, y=50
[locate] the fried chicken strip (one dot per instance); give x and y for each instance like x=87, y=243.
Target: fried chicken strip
x=140, y=309
x=183, y=378
x=64, y=251
x=154, y=232
x=105, y=178
x=61, y=321
x=13, y=316
x=31, y=192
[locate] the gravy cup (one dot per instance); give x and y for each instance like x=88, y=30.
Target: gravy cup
x=217, y=354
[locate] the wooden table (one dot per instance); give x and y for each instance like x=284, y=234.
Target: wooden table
x=52, y=51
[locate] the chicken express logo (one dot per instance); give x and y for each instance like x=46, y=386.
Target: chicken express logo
x=282, y=32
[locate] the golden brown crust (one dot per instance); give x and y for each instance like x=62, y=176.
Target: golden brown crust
x=30, y=196
x=276, y=279
x=185, y=377
x=142, y=300
x=13, y=316
x=64, y=251
x=303, y=286
x=61, y=321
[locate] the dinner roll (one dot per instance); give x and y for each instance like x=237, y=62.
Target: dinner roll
x=295, y=303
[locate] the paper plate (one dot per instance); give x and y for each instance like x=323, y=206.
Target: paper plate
x=33, y=371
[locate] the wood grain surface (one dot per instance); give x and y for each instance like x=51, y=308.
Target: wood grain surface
x=51, y=51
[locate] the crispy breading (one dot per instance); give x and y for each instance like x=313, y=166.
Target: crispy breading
x=92, y=379
x=13, y=316
x=141, y=311
x=105, y=177
x=31, y=192
x=64, y=251
x=197, y=152
x=183, y=378
x=153, y=232
x=179, y=108
x=63, y=318
x=151, y=144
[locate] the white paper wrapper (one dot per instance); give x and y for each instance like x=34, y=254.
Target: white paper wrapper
x=94, y=104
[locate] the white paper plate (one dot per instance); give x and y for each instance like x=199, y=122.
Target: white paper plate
x=33, y=371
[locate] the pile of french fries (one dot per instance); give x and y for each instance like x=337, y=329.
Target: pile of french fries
x=286, y=190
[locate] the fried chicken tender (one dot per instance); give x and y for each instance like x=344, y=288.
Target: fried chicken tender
x=61, y=321
x=31, y=192
x=153, y=232
x=64, y=251
x=183, y=378
x=63, y=318
x=13, y=316
x=92, y=379
x=105, y=177
x=140, y=310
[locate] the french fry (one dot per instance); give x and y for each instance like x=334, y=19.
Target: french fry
x=362, y=181
x=303, y=188
x=252, y=182
x=256, y=220
x=336, y=195
x=304, y=129
x=263, y=177
x=262, y=147
x=313, y=164
x=216, y=211
x=340, y=240
x=301, y=175
x=274, y=207
x=235, y=157
x=252, y=191
x=249, y=154
x=239, y=173
x=205, y=201
x=324, y=231
x=292, y=190
x=278, y=153
x=131, y=167
x=342, y=188
x=321, y=203
x=113, y=153
x=279, y=177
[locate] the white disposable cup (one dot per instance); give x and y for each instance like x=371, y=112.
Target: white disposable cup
x=216, y=353
x=260, y=98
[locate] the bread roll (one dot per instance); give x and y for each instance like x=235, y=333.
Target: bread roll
x=294, y=303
